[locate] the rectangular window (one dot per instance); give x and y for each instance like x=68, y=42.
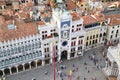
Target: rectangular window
x=74, y=38
x=80, y=48
x=72, y=30
x=97, y=36
x=71, y=43
x=116, y=35
x=90, y=37
x=56, y=47
x=73, y=49
x=45, y=31
x=74, y=43
x=112, y=32
x=79, y=25
x=93, y=36
x=81, y=41
x=87, y=38
x=47, y=49
x=77, y=29
x=111, y=36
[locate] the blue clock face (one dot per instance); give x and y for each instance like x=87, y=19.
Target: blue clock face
x=66, y=23
x=64, y=43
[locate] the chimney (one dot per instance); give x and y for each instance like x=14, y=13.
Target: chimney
x=109, y=20
x=13, y=22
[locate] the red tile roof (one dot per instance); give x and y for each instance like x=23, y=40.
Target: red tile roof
x=2, y=2
x=114, y=19
x=71, y=5
x=112, y=78
x=88, y=19
x=40, y=23
x=22, y=30
x=75, y=16
x=100, y=17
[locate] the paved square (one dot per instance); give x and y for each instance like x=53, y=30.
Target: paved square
x=78, y=66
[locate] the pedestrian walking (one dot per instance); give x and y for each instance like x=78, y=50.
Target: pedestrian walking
x=76, y=69
x=46, y=72
x=88, y=71
x=78, y=78
x=84, y=78
x=73, y=65
x=85, y=63
x=97, y=66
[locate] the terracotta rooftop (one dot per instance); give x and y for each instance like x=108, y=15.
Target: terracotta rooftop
x=2, y=2
x=70, y=5
x=29, y=4
x=81, y=0
x=7, y=11
x=75, y=16
x=40, y=23
x=22, y=30
x=44, y=15
x=2, y=20
x=23, y=15
x=112, y=78
x=114, y=19
x=100, y=17
x=88, y=19
x=95, y=0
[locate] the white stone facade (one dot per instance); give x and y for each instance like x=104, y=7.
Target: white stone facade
x=112, y=67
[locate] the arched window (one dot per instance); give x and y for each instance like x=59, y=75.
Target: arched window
x=90, y=42
x=86, y=43
x=96, y=35
x=104, y=34
x=100, y=35
x=27, y=57
x=17, y=59
x=30, y=56
x=90, y=37
x=117, y=31
x=24, y=57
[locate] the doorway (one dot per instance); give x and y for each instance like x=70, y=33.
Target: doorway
x=64, y=55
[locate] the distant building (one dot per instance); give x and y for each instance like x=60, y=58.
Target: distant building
x=112, y=67
x=93, y=4
x=93, y=26
x=113, y=30
x=2, y=6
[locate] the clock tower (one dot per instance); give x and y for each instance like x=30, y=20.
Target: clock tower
x=63, y=19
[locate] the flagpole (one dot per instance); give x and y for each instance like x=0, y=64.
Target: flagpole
x=54, y=64
x=70, y=74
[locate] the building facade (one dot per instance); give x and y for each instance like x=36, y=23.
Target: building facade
x=27, y=34
x=95, y=28
x=32, y=44
x=113, y=63
x=113, y=30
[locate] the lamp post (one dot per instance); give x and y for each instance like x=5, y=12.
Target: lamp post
x=54, y=64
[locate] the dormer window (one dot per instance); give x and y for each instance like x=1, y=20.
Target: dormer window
x=11, y=26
